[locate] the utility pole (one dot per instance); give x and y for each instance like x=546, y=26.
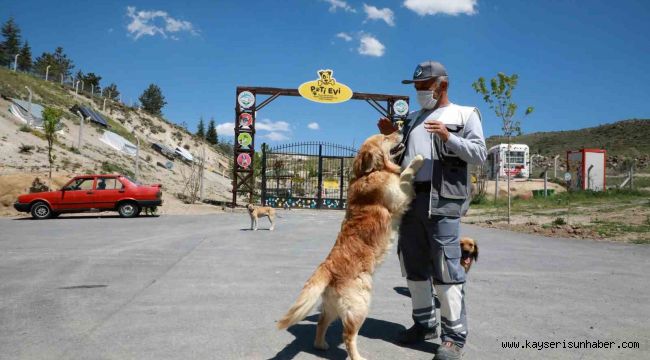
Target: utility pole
x=16, y=62
x=82, y=85
x=76, y=86
x=81, y=130
x=29, y=107
x=92, y=90
x=47, y=72
x=104, y=106
x=61, y=79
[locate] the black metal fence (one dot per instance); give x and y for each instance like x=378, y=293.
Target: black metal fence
x=309, y=175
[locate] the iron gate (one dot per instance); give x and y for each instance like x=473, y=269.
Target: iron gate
x=308, y=175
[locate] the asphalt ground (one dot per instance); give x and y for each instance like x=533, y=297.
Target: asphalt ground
x=205, y=287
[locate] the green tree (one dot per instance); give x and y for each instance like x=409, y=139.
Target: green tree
x=92, y=81
x=58, y=61
x=152, y=100
x=211, y=135
x=499, y=99
x=111, y=92
x=200, y=131
x=51, y=120
x=11, y=44
x=25, y=58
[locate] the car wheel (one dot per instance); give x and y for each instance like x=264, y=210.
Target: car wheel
x=41, y=210
x=128, y=209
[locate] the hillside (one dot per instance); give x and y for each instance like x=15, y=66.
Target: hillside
x=94, y=155
x=623, y=139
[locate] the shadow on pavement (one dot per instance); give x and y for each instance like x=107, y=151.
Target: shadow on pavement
x=372, y=328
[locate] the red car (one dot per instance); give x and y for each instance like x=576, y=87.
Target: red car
x=92, y=192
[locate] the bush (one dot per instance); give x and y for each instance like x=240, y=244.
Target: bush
x=25, y=128
x=111, y=168
x=559, y=221
x=38, y=186
x=25, y=149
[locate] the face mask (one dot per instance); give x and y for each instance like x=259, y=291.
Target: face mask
x=426, y=100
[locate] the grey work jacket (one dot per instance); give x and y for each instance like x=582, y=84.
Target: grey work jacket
x=450, y=178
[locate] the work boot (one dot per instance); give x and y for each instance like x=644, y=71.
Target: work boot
x=415, y=334
x=448, y=351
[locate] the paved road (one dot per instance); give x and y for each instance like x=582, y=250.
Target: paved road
x=202, y=287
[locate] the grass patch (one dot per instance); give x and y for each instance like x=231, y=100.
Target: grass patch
x=112, y=168
x=48, y=93
x=612, y=228
x=117, y=128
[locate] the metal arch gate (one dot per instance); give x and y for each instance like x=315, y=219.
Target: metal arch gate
x=308, y=175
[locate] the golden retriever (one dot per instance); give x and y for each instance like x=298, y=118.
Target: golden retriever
x=469, y=251
x=377, y=198
x=257, y=212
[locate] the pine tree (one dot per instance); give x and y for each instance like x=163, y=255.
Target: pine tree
x=25, y=58
x=58, y=61
x=152, y=100
x=211, y=134
x=111, y=92
x=200, y=131
x=11, y=44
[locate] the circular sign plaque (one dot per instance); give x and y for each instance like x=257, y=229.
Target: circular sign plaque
x=246, y=99
x=401, y=107
x=244, y=139
x=245, y=120
x=244, y=160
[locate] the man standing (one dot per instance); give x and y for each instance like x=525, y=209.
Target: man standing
x=449, y=137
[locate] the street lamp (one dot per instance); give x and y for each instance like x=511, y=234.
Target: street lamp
x=47, y=72
x=16, y=62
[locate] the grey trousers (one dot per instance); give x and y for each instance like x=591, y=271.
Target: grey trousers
x=429, y=251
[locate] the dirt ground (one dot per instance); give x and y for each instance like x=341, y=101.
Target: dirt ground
x=628, y=222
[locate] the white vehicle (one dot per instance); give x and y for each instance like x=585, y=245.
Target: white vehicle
x=519, y=160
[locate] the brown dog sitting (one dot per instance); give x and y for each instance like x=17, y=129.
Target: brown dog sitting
x=257, y=212
x=469, y=251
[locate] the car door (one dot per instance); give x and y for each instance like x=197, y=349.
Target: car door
x=107, y=191
x=79, y=195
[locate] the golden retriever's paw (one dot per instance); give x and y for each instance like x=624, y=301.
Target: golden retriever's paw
x=321, y=346
x=417, y=162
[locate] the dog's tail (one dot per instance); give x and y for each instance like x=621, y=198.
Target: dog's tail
x=307, y=298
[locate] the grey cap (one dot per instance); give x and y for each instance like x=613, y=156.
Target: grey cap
x=427, y=71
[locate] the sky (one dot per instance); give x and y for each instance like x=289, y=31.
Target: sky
x=580, y=63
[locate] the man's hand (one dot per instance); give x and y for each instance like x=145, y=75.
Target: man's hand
x=386, y=127
x=438, y=128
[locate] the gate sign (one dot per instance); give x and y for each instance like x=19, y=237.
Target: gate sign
x=325, y=89
x=401, y=107
x=244, y=160
x=245, y=120
x=246, y=99
x=244, y=139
